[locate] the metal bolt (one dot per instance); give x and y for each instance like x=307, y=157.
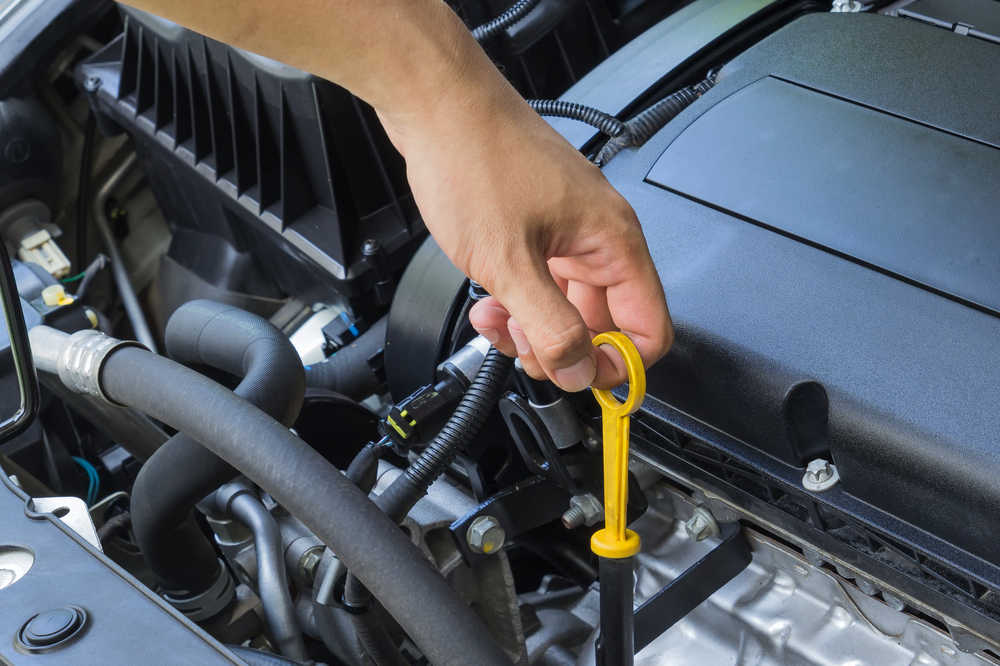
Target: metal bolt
x=91, y=84
x=583, y=510
x=820, y=475
x=702, y=524
x=485, y=535
x=309, y=564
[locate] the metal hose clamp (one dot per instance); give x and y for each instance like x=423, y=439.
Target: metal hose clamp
x=81, y=358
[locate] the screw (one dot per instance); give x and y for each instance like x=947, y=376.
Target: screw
x=485, y=535
x=91, y=84
x=371, y=246
x=309, y=564
x=702, y=524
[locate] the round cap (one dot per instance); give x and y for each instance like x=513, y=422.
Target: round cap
x=56, y=295
x=52, y=626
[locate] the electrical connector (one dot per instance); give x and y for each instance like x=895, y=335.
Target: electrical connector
x=40, y=248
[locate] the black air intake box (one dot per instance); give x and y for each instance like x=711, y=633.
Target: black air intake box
x=256, y=153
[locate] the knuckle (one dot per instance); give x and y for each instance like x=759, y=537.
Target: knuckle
x=560, y=346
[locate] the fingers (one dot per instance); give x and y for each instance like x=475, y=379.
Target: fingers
x=489, y=318
x=548, y=331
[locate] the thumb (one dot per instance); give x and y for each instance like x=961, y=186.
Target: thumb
x=548, y=331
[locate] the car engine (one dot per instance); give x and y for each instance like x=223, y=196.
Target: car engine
x=321, y=462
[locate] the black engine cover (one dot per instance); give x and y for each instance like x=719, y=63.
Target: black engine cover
x=826, y=223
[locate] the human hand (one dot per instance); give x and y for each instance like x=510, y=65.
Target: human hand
x=519, y=210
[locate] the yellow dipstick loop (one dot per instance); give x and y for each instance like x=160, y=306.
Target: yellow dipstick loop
x=614, y=540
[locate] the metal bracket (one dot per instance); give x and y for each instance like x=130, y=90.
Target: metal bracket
x=517, y=509
x=690, y=589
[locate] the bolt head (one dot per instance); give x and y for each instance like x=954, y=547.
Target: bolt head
x=91, y=84
x=702, y=524
x=485, y=535
x=309, y=564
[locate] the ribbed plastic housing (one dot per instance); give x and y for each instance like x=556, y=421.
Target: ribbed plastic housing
x=243, y=147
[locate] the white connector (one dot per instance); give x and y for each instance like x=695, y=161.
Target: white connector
x=41, y=249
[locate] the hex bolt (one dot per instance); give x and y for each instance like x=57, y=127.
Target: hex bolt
x=485, y=535
x=702, y=524
x=583, y=510
x=309, y=564
x=820, y=475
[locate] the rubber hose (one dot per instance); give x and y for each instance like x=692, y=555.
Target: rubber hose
x=425, y=605
x=513, y=15
x=182, y=472
x=371, y=633
x=347, y=372
x=585, y=114
x=397, y=500
x=641, y=128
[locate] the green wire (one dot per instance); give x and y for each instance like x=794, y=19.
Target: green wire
x=79, y=276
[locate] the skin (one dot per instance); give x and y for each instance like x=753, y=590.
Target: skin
x=511, y=203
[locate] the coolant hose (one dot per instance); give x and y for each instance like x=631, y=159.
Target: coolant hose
x=182, y=472
x=238, y=501
x=347, y=372
x=397, y=500
x=410, y=587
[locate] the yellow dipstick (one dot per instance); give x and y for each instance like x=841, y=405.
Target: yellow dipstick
x=614, y=541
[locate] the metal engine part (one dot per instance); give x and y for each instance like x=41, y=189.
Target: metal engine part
x=781, y=611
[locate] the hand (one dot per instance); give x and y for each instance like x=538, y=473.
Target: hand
x=519, y=210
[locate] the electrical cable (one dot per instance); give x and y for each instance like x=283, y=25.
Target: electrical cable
x=82, y=192
x=510, y=17
x=652, y=120
x=95, y=267
x=95, y=480
x=585, y=114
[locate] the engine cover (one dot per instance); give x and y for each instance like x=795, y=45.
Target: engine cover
x=824, y=223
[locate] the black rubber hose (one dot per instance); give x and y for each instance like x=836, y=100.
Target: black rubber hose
x=425, y=605
x=347, y=372
x=513, y=15
x=116, y=526
x=641, y=128
x=397, y=500
x=585, y=114
x=182, y=472
x=83, y=189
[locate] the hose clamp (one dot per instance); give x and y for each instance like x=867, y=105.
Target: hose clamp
x=82, y=357
x=202, y=606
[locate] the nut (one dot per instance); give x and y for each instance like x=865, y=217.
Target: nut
x=820, y=475
x=583, y=510
x=485, y=535
x=702, y=524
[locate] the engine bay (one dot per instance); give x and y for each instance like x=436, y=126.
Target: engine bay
x=322, y=462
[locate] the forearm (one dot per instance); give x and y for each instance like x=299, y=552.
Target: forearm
x=406, y=58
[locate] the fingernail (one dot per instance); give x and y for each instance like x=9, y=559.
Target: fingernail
x=520, y=341
x=491, y=334
x=577, y=377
